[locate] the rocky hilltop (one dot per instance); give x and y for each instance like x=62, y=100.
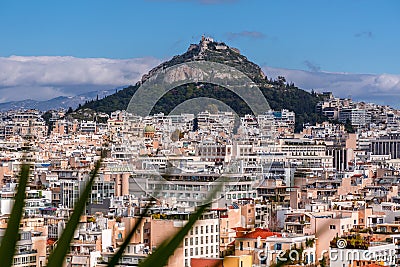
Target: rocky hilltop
x=279, y=93
x=209, y=50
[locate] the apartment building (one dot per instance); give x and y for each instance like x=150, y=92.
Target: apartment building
x=357, y=117
x=202, y=240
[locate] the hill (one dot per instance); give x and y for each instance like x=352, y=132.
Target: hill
x=279, y=93
x=55, y=103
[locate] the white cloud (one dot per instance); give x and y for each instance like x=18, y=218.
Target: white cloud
x=45, y=77
x=378, y=88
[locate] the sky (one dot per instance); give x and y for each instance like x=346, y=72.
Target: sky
x=92, y=45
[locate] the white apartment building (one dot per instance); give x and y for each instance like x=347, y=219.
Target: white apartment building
x=357, y=117
x=88, y=127
x=202, y=240
x=219, y=122
x=307, y=153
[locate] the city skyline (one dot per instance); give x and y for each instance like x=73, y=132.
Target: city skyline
x=193, y=133
x=344, y=47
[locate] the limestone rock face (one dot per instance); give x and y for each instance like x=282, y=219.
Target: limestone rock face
x=210, y=50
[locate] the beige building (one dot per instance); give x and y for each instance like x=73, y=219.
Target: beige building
x=327, y=225
x=267, y=247
x=202, y=240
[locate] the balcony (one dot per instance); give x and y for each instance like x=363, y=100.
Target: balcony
x=25, y=252
x=83, y=242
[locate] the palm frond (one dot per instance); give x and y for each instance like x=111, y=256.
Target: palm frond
x=167, y=248
x=114, y=260
x=7, y=248
x=56, y=259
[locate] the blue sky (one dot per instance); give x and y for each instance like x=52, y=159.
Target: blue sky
x=340, y=36
x=315, y=36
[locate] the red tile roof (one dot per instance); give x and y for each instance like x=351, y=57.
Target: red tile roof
x=259, y=232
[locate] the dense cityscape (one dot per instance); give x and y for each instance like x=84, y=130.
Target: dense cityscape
x=199, y=133
x=337, y=180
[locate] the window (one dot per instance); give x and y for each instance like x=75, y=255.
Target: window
x=186, y=242
x=201, y=231
x=241, y=246
x=332, y=226
x=206, y=229
x=263, y=259
x=211, y=228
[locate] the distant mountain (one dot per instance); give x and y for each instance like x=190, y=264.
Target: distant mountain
x=58, y=102
x=278, y=93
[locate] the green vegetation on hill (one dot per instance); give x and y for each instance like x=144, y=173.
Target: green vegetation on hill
x=279, y=94
x=117, y=101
